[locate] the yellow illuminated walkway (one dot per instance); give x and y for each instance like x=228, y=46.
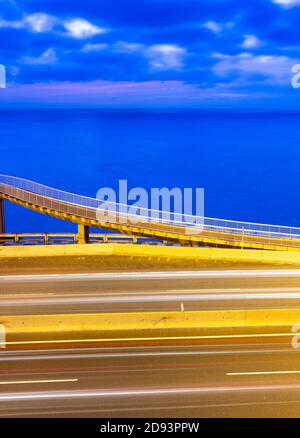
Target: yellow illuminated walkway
x=86, y=212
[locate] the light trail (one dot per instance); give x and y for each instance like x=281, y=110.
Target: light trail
x=167, y=338
x=262, y=373
x=155, y=275
x=41, y=395
x=28, y=382
x=79, y=356
x=170, y=292
x=153, y=298
x=163, y=408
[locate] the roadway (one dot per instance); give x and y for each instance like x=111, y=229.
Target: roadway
x=174, y=381
x=160, y=291
x=248, y=377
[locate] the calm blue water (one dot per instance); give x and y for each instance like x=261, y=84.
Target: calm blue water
x=249, y=164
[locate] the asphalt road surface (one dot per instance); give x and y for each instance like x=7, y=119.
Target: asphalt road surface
x=189, y=381
x=160, y=291
x=253, y=377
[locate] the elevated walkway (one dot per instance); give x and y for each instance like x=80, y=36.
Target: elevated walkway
x=84, y=211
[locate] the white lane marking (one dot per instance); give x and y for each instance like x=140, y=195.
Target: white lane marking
x=17, y=295
x=2, y=336
x=225, y=290
x=156, y=275
x=25, y=382
x=263, y=373
x=167, y=338
x=41, y=395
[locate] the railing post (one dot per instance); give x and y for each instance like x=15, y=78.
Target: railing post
x=2, y=222
x=83, y=234
x=243, y=237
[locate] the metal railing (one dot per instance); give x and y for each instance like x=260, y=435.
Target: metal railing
x=156, y=220
x=71, y=238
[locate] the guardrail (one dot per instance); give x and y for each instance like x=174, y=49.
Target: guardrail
x=70, y=238
x=88, y=208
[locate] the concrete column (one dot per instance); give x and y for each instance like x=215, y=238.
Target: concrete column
x=83, y=234
x=2, y=223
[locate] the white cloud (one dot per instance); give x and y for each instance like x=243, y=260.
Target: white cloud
x=159, y=56
x=287, y=3
x=39, y=22
x=46, y=58
x=117, y=94
x=275, y=69
x=87, y=48
x=250, y=42
x=215, y=27
x=13, y=24
x=80, y=28
x=33, y=22
x=125, y=47
x=165, y=56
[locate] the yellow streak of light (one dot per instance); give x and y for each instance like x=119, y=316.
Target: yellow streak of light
x=167, y=338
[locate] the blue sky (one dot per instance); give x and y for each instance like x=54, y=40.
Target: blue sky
x=150, y=53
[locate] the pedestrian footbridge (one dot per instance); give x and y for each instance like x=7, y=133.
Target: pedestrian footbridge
x=88, y=212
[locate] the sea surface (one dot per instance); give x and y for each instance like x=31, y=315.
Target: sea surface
x=248, y=163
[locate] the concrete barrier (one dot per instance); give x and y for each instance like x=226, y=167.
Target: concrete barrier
x=149, y=321
x=154, y=252
x=55, y=250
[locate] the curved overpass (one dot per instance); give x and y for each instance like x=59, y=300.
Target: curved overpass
x=87, y=212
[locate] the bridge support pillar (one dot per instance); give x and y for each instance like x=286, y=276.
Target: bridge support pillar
x=2, y=223
x=83, y=234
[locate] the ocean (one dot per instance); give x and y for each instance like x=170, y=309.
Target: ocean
x=248, y=163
